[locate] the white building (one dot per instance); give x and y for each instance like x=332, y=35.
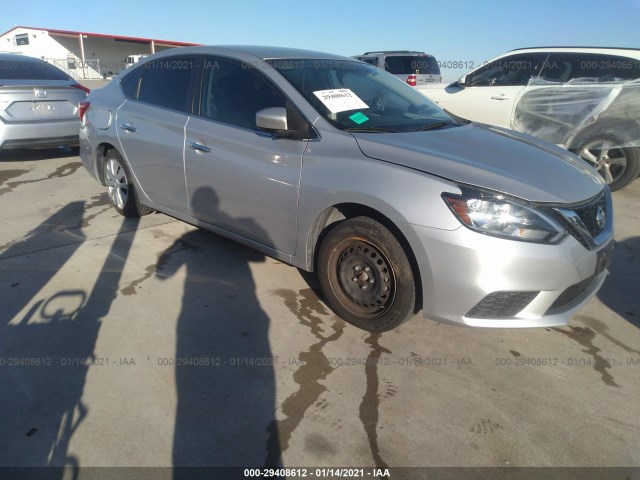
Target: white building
x=82, y=55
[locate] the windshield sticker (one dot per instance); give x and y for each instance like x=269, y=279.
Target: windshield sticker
x=340, y=100
x=359, y=118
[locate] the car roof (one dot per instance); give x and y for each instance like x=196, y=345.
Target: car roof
x=14, y=56
x=394, y=52
x=261, y=52
x=632, y=52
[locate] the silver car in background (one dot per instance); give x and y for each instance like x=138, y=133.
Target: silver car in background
x=38, y=104
x=334, y=166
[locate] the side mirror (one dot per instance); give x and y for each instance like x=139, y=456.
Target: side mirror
x=462, y=81
x=272, y=119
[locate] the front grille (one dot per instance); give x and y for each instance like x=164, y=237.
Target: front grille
x=501, y=304
x=588, y=214
x=582, y=221
x=571, y=293
x=580, y=238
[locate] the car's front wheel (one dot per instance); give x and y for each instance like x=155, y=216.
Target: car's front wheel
x=365, y=275
x=120, y=188
x=618, y=164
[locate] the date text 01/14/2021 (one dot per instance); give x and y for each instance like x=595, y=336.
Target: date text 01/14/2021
x=326, y=472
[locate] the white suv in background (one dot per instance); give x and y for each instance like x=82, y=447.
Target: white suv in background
x=586, y=99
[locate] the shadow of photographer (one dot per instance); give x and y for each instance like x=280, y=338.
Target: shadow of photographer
x=225, y=368
x=47, y=351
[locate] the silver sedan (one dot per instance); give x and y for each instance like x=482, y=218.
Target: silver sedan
x=335, y=166
x=38, y=104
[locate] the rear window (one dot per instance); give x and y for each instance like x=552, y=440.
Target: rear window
x=419, y=64
x=370, y=60
x=25, y=69
x=131, y=82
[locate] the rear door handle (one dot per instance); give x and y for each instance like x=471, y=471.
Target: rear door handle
x=128, y=127
x=500, y=97
x=199, y=147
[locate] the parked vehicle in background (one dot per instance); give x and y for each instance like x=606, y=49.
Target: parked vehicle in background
x=334, y=166
x=582, y=98
x=133, y=59
x=38, y=104
x=414, y=68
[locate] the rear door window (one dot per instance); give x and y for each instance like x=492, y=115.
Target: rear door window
x=166, y=83
x=131, y=81
x=566, y=67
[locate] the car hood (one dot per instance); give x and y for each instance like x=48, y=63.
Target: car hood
x=489, y=157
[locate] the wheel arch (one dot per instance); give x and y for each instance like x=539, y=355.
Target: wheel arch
x=344, y=211
x=625, y=130
x=101, y=153
x=623, y=127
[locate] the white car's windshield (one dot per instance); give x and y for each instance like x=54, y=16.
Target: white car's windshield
x=355, y=96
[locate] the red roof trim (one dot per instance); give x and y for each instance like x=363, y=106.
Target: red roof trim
x=102, y=35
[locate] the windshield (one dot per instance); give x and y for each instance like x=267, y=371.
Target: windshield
x=355, y=96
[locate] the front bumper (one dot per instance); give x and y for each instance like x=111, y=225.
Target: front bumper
x=483, y=281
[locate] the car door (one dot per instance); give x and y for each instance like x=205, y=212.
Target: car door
x=150, y=126
x=489, y=93
x=239, y=178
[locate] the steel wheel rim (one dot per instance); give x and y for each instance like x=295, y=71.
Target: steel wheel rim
x=365, y=278
x=610, y=161
x=117, y=184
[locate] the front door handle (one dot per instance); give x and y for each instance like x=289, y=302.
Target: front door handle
x=199, y=147
x=500, y=97
x=128, y=127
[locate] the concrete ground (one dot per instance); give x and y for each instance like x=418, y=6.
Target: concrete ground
x=151, y=343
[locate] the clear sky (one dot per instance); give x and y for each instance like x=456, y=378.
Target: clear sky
x=459, y=30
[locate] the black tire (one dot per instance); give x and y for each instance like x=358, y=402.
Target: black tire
x=619, y=166
x=121, y=190
x=365, y=275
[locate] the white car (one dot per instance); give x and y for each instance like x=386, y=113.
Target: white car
x=581, y=98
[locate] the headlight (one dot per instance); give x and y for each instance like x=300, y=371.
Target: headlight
x=495, y=214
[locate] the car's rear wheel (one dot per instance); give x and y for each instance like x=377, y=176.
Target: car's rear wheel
x=617, y=164
x=365, y=275
x=120, y=188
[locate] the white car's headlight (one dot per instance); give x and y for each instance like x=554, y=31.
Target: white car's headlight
x=495, y=214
